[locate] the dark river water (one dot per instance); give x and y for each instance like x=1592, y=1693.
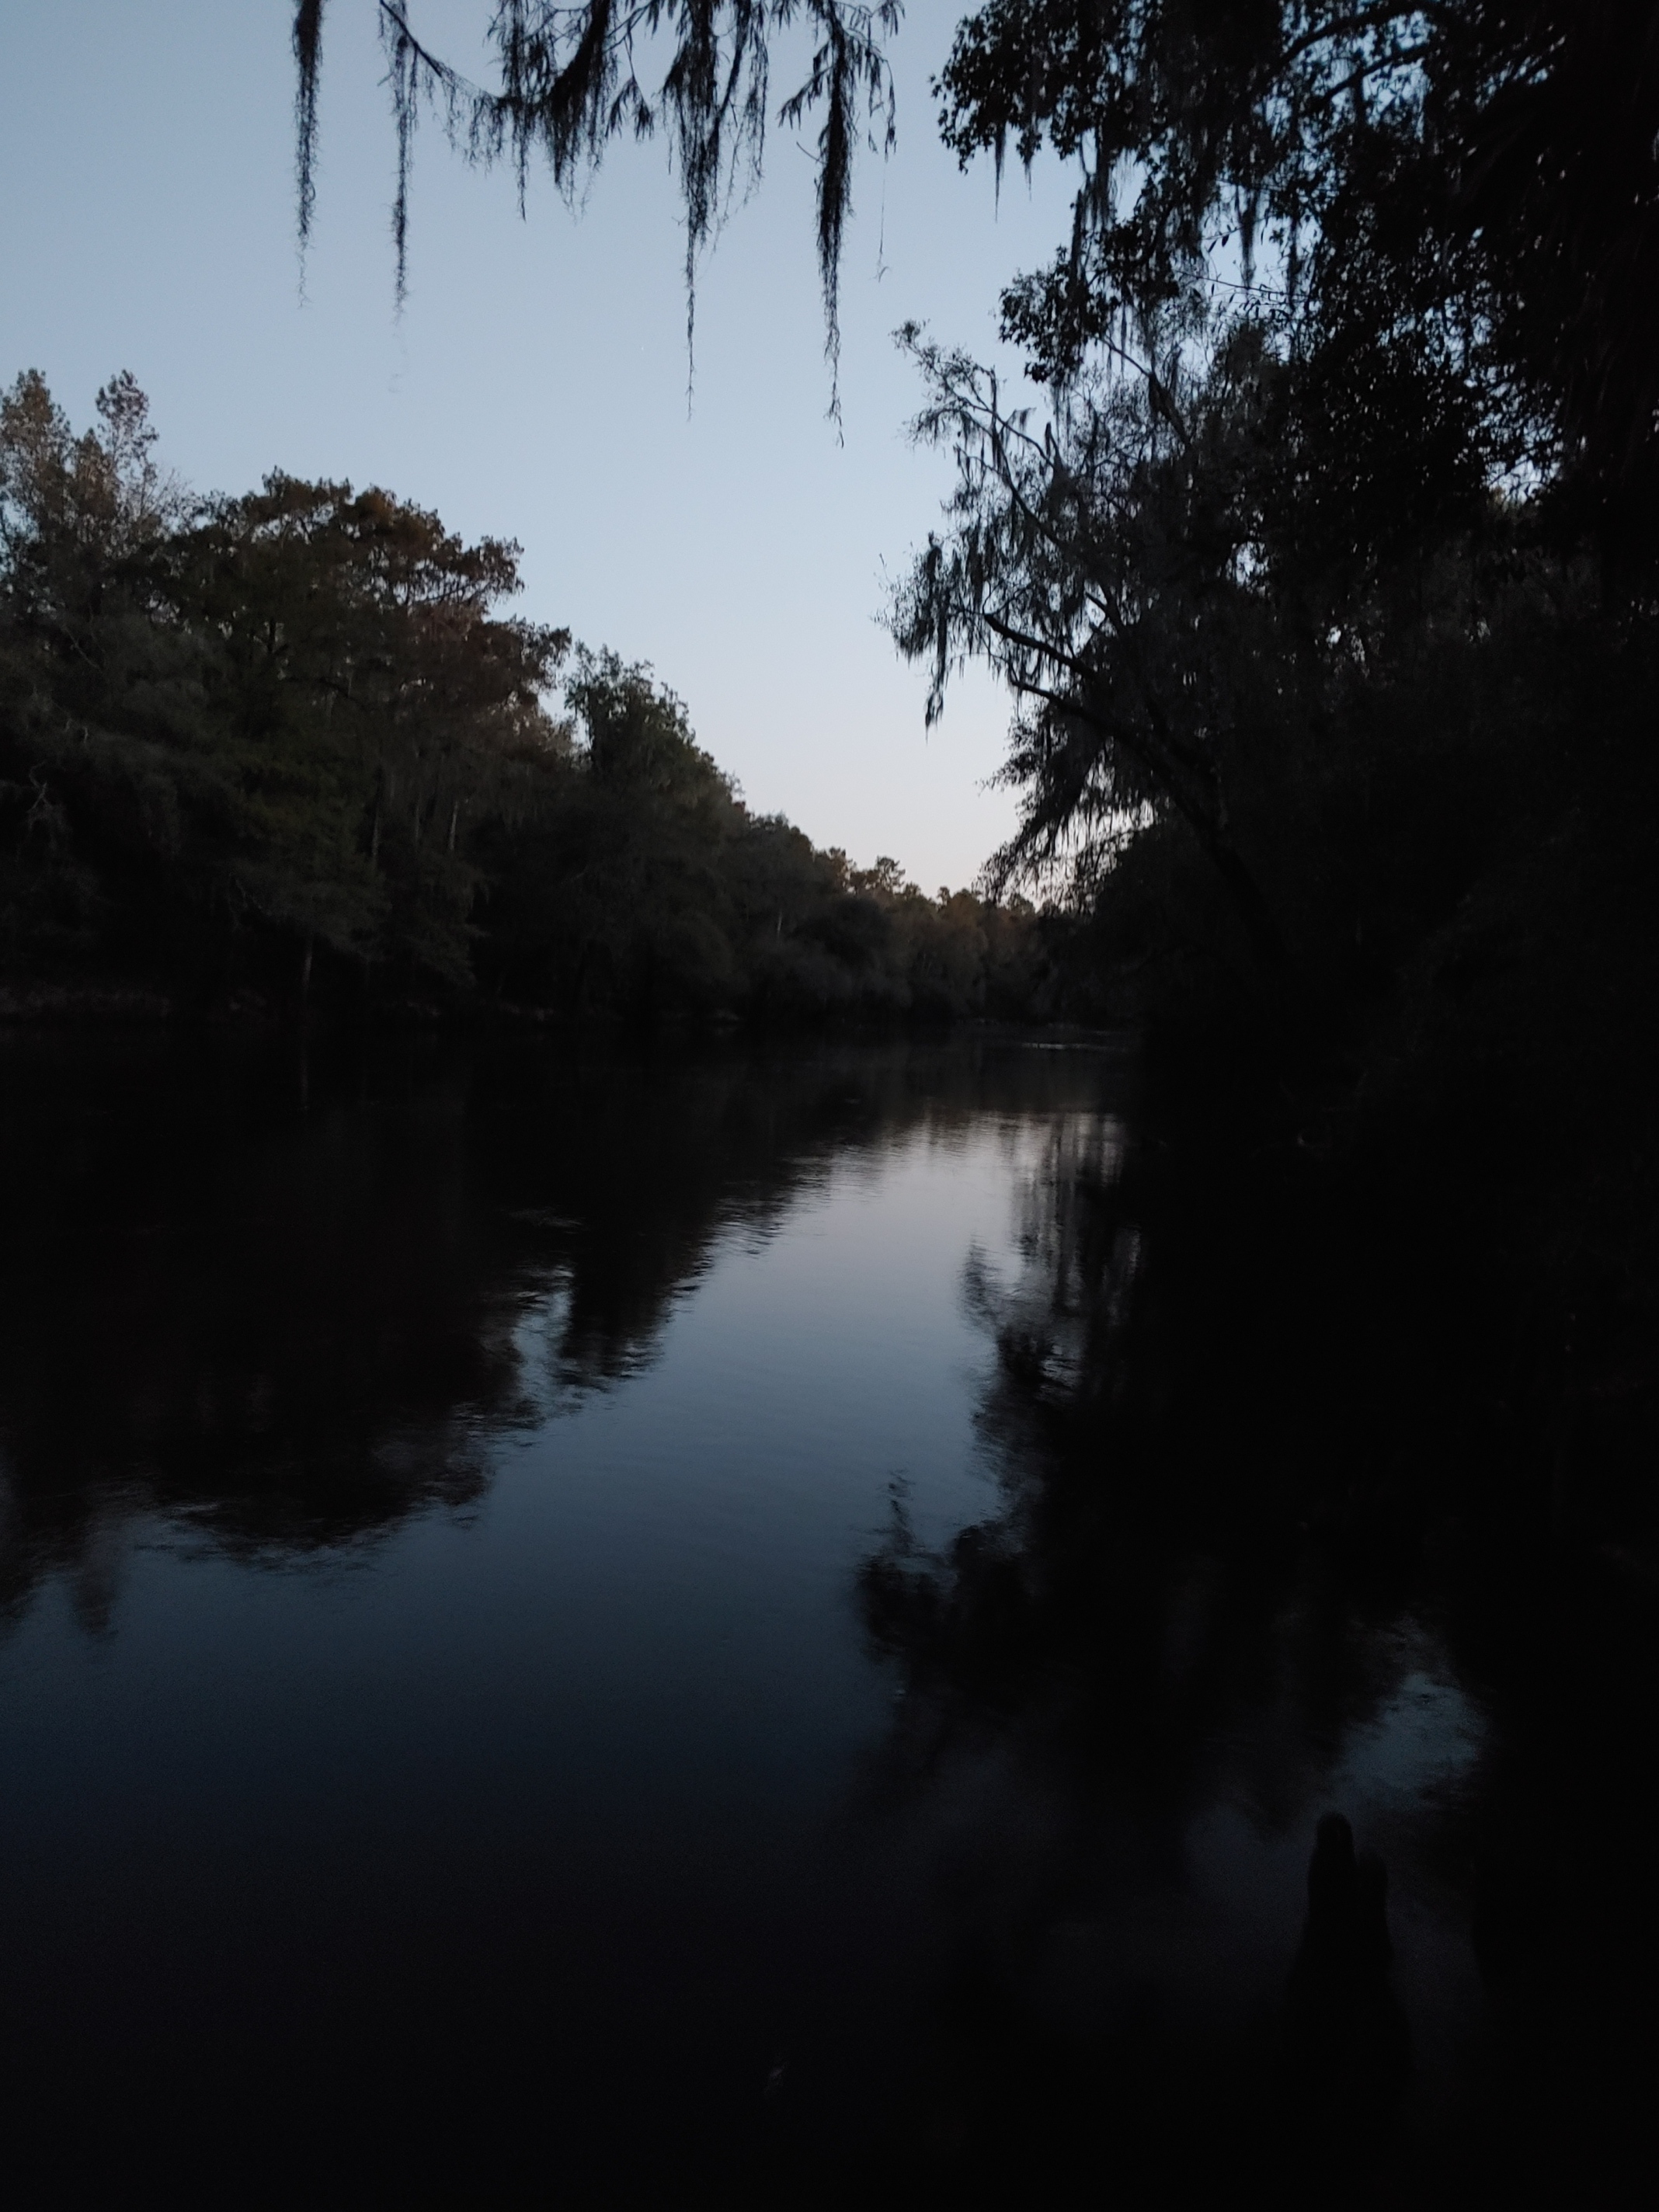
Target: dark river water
x=496, y=1700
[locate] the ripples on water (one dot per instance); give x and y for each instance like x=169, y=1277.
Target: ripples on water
x=541, y=1650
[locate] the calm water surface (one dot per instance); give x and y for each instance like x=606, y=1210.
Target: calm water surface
x=443, y=1736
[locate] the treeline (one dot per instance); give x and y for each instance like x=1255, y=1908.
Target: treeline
x=288, y=749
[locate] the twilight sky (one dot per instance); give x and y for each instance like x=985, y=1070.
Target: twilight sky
x=535, y=387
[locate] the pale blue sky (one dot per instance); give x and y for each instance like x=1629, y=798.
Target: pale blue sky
x=535, y=387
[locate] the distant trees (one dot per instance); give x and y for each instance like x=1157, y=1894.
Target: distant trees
x=255, y=744
x=647, y=882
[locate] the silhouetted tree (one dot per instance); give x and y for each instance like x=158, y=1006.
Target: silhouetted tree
x=1350, y=422
x=1350, y=343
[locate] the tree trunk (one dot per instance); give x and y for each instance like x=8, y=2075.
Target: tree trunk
x=1249, y=904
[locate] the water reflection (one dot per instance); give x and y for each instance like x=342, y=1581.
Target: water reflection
x=1129, y=1698
x=551, y=1826
x=1268, y=1553
x=289, y=1301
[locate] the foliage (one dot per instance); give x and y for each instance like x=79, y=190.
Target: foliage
x=1350, y=346
x=1481, y=170
x=1345, y=484
x=568, y=81
x=272, y=712
x=242, y=737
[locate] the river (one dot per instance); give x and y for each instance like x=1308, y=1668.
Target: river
x=480, y=1709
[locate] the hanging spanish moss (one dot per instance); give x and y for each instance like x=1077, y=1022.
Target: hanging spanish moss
x=568, y=81
x=308, y=55
x=405, y=76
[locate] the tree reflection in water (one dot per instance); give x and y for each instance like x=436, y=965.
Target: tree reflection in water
x=285, y=1302
x=1270, y=1548
x=1282, y=1530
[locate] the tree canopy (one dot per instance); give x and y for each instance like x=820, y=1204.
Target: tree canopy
x=1345, y=286
x=1486, y=165
x=244, y=738
x=1350, y=383
x=1478, y=176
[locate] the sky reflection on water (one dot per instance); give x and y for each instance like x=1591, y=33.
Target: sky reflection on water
x=437, y=1717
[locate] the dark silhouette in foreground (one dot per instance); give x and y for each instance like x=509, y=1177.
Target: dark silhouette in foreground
x=1349, y=2047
